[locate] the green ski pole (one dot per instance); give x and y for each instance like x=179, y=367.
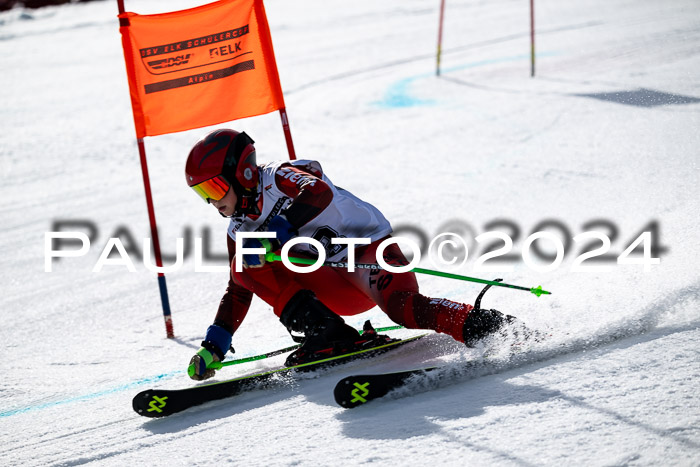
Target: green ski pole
x=335, y=264
x=219, y=365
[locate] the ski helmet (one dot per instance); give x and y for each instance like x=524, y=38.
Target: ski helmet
x=221, y=160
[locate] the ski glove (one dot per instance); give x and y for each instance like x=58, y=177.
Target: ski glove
x=214, y=346
x=285, y=232
x=198, y=365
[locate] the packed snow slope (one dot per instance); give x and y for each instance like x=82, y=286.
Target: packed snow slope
x=604, y=138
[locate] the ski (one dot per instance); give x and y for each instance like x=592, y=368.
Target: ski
x=356, y=390
x=164, y=402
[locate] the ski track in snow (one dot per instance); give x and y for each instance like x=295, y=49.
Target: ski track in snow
x=607, y=130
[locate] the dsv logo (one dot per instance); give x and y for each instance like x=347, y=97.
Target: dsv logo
x=170, y=62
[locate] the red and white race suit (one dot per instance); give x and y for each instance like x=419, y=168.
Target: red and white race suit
x=320, y=210
x=332, y=212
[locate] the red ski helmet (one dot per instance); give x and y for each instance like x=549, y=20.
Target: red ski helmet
x=221, y=160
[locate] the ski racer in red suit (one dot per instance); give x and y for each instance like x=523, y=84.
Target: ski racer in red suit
x=295, y=198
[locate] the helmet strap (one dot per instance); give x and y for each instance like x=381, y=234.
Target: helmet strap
x=247, y=204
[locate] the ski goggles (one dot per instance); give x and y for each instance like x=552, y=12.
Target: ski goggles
x=212, y=189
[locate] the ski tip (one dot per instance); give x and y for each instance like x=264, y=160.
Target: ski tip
x=356, y=390
x=349, y=393
x=148, y=404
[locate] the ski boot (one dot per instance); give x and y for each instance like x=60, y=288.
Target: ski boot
x=482, y=323
x=324, y=334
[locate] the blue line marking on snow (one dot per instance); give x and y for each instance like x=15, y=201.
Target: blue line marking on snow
x=98, y=394
x=92, y=395
x=398, y=94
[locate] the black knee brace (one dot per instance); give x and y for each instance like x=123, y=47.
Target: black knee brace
x=304, y=312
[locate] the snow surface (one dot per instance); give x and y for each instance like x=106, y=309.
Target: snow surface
x=618, y=382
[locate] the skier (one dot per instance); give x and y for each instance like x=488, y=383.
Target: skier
x=295, y=198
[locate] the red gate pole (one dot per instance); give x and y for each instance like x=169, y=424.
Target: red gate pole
x=165, y=302
x=287, y=133
x=439, y=47
x=167, y=315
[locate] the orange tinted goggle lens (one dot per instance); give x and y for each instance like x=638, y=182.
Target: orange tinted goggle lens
x=214, y=188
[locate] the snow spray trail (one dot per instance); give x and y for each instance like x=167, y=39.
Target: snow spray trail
x=651, y=318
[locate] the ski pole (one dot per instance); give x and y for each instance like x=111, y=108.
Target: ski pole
x=219, y=365
x=335, y=264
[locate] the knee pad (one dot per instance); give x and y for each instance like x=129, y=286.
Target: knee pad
x=304, y=312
